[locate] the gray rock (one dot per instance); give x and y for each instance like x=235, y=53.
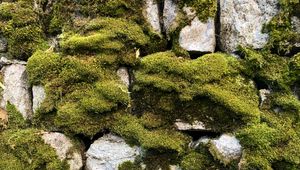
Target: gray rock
x=123, y=73
x=203, y=140
x=195, y=126
x=199, y=36
x=3, y=44
x=263, y=94
x=296, y=24
x=226, y=149
x=64, y=149
x=17, y=89
x=108, y=152
x=151, y=13
x=170, y=13
x=241, y=22
x=5, y=61
x=38, y=96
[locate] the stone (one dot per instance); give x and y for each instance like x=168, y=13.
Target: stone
x=199, y=36
x=123, y=73
x=174, y=167
x=226, y=148
x=195, y=126
x=195, y=144
x=263, y=94
x=64, y=149
x=3, y=118
x=170, y=13
x=296, y=24
x=17, y=89
x=3, y=44
x=38, y=96
x=241, y=23
x=151, y=13
x=108, y=152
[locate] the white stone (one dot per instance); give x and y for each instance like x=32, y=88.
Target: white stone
x=196, y=125
x=263, y=93
x=170, y=13
x=203, y=140
x=17, y=89
x=123, y=73
x=242, y=22
x=226, y=148
x=151, y=13
x=64, y=149
x=108, y=152
x=199, y=36
x=38, y=96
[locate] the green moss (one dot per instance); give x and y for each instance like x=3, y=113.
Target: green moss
x=20, y=25
x=15, y=118
x=195, y=161
x=130, y=127
x=25, y=149
x=129, y=166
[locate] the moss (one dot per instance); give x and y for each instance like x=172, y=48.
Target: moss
x=204, y=8
x=195, y=161
x=15, y=118
x=129, y=166
x=130, y=127
x=20, y=25
x=26, y=149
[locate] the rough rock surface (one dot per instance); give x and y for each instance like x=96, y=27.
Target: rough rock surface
x=64, y=149
x=197, y=125
x=263, y=94
x=108, y=152
x=38, y=96
x=199, y=36
x=169, y=15
x=226, y=148
x=296, y=24
x=151, y=13
x=3, y=44
x=242, y=22
x=17, y=89
x=123, y=73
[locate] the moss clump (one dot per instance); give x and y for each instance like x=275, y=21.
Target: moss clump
x=130, y=127
x=204, y=8
x=25, y=149
x=20, y=25
x=117, y=37
x=77, y=90
x=15, y=118
x=129, y=166
x=180, y=84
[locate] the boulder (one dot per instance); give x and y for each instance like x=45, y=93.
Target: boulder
x=226, y=149
x=199, y=36
x=3, y=44
x=170, y=13
x=108, y=152
x=38, y=96
x=151, y=13
x=241, y=23
x=123, y=73
x=64, y=149
x=17, y=89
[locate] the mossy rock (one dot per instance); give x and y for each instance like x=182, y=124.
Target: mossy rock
x=25, y=149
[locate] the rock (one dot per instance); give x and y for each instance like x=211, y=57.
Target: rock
x=203, y=140
x=241, y=22
x=108, y=152
x=17, y=89
x=151, y=13
x=195, y=126
x=226, y=149
x=5, y=61
x=64, y=149
x=123, y=73
x=174, y=167
x=199, y=36
x=3, y=44
x=263, y=93
x=296, y=24
x=170, y=12
x=38, y=96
